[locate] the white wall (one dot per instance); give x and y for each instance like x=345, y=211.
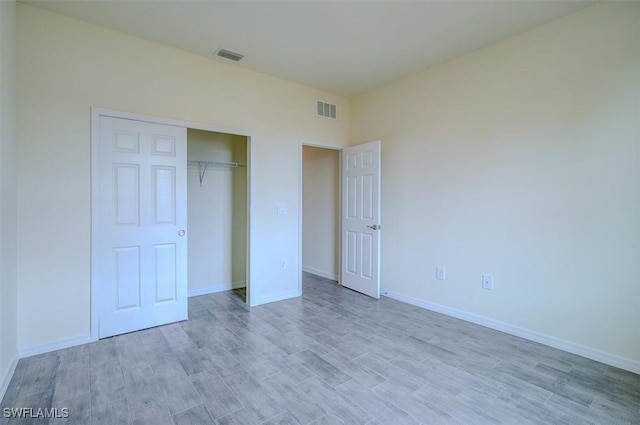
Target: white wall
x=8, y=280
x=320, y=211
x=521, y=160
x=64, y=67
x=217, y=215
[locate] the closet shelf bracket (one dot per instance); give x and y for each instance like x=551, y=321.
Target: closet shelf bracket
x=202, y=172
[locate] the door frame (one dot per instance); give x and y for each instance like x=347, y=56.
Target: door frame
x=96, y=113
x=324, y=145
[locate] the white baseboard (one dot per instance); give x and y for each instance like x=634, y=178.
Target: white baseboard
x=571, y=347
x=53, y=346
x=6, y=379
x=274, y=298
x=215, y=288
x=316, y=272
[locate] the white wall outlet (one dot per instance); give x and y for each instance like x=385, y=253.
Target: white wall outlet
x=283, y=263
x=282, y=208
x=440, y=273
x=487, y=281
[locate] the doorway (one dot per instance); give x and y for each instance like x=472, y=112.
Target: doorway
x=357, y=196
x=217, y=212
x=320, y=211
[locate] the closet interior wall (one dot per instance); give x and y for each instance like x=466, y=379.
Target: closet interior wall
x=217, y=213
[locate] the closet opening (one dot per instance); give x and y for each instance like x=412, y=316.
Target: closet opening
x=217, y=211
x=320, y=213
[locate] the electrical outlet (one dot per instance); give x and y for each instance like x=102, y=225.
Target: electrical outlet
x=440, y=273
x=487, y=281
x=282, y=208
x=283, y=263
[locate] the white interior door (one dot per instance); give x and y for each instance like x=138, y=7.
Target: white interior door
x=141, y=215
x=361, y=218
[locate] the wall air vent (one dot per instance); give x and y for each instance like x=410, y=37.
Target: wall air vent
x=326, y=110
x=227, y=54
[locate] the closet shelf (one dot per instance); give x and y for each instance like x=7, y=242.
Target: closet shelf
x=203, y=165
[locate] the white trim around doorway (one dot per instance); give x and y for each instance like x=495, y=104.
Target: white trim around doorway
x=302, y=142
x=96, y=113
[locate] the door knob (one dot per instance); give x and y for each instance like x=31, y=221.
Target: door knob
x=181, y=233
x=374, y=227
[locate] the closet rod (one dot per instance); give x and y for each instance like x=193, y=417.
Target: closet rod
x=203, y=170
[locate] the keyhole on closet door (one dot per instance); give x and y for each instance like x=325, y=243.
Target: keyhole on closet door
x=181, y=233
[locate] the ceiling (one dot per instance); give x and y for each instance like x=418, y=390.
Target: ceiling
x=343, y=47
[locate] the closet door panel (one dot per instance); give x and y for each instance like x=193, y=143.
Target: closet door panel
x=140, y=253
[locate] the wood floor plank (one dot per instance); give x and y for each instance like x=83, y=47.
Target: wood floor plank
x=615, y=391
x=419, y=409
x=298, y=404
x=78, y=410
x=174, y=334
x=291, y=369
x=179, y=393
x=107, y=384
x=328, y=419
x=603, y=407
x=215, y=394
x=258, y=368
x=71, y=382
x=334, y=403
x=130, y=351
x=111, y=413
x=572, y=412
x=381, y=409
x=239, y=417
x=549, y=383
x=354, y=369
x=103, y=351
x=191, y=358
x=197, y=415
x=284, y=418
x=146, y=399
x=391, y=372
x=323, y=369
x=39, y=374
x=253, y=396
x=35, y=402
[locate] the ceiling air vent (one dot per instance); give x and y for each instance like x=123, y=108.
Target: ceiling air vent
x=326, y=110
x=227, y=54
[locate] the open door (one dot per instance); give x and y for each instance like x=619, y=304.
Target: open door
x=360, y=269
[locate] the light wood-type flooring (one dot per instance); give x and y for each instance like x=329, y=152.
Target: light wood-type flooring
x=332, y=356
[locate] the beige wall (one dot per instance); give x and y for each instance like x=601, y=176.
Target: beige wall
x=64, y=67
x=320, y=213
x=8, y=280
x=217, y=212
x=239, y=205
x=521, y=160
